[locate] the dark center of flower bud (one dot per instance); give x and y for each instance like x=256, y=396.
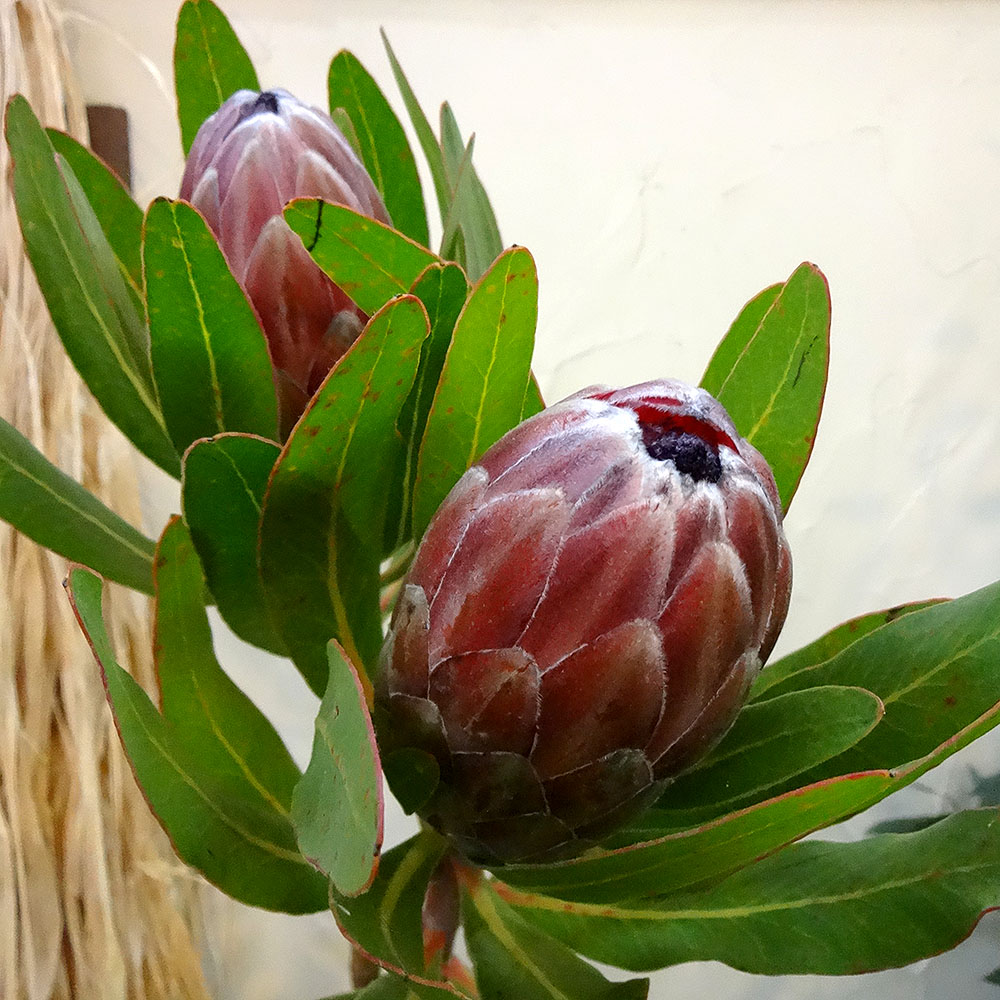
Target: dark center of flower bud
x=689, y=453
x=266, y=103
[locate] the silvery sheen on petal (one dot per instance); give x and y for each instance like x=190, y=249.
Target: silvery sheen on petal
x=584, y=617
x=255, y=154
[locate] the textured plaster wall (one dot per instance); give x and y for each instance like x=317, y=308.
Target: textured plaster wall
x=664, y=161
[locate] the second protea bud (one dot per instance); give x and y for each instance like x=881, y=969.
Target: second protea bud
x=584, y=617
x=257, y=152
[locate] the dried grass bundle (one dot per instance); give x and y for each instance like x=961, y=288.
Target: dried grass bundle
x=93, y=903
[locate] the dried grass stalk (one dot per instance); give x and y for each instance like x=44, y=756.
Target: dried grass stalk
x=93, y=902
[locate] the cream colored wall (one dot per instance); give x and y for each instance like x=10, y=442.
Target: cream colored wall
x=664, y=161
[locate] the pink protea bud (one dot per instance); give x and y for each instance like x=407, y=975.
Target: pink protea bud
x=255, y=154
x=584, y=617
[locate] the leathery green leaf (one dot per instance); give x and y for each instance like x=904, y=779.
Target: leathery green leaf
x=210, y=65
x=210, y=358
x=215, y=773
x=127, y=305
x=651, y=856
x=386, y=987
x=369, y=261
x=533, y=402
x=120, y=217
x=769, y=744
x=83, y=286
x=45, y=504
x=512, y=958
x=808, y=909
x=385, y=923
x=337, y=807
x=324, y=511
x=827, y=646
x=470, y=210
x=425, y=134
x=443, y=290
x=385, y=150
x=481, y=392
x=740, y=333
x=222, y=490
x=770, y=373
x=937, y=671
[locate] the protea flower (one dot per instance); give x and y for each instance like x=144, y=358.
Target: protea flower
x=584, y=616
x=257, y=152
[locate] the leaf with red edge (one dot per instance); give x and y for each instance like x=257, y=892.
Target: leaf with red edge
x=937, y=672
x=815, y=908
x=369, y=261
x=533, y=402
x=443, y=290
x=385, y=923
x=210, y=64
x=770, y=373
x=337, y=808
x=481, y=393
x=120, y=217
x=89, y=300
x=210, y=359
x=650, y=856
x=213, y=769
x=222, y=490
x=512, y=958
x=322, y=526
x=384, y=148
x=827, y=646
x=770, y=743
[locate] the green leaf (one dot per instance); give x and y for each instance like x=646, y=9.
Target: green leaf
x=323, y=522
x=214, y=771
x=88, y=300
x=337, y=808
x=210, y=358
x=369, y=261
x=739, y=335
x=769, y=744
x=533, y=402
x=386, y=987
x=471, y=232
x=453, y=241
x=385, y=923
x=816, y=908
x=210, y=65
x=120, y=217
x=470, y=206
x=514, y=960
x=937, y=672
x=222, y=489
x=413, y=775
x=425, y=134
x=126, y=303
x=204, y=707
x=48, y=506
x=343, y=121
x=770, y=373
x=385, y=149
x=482, y=387
x=443, y=289
x=905, y=824
x=827, y=646
x=657, y=859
